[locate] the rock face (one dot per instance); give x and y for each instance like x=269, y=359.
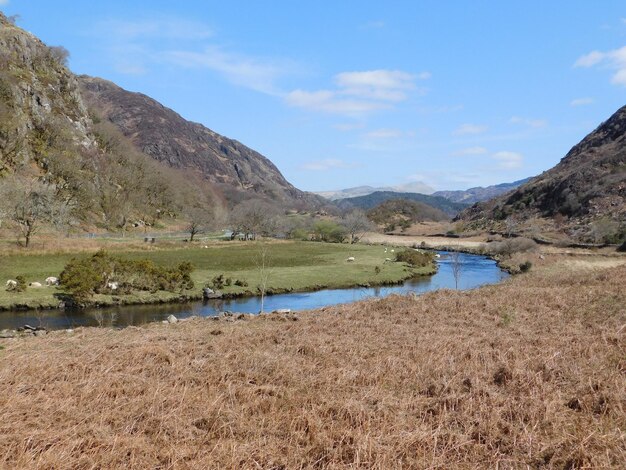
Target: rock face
x=37, y=93
x=165, y=136
x=46, y=129
x=584, y=191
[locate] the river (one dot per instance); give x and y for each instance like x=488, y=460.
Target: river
x=475, y=271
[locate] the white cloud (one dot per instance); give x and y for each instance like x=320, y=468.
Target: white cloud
x=250, y=72
x=472, y=151
x=534, y=123
x=385, y=134
x=169, y=28
x=349, y=126
x=357, y=93
x=424, y=75
x=330, y=102
x=4, y=2
x=614, y=59
x=384, y=85
x=581, y=101
x=508, y=160
x=327, y=164
x=465, y=129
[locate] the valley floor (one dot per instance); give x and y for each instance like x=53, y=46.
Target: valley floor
x=292, y=266
x=529, y=373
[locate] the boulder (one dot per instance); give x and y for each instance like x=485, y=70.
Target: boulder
x=172, y=319
x=209, y=293
x=282, y=310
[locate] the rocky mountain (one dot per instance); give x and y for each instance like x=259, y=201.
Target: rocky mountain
x=164, y=135
x=82, y=152
x=584, y=195
x=437, y=203
x=415, y=187
x=480, y=193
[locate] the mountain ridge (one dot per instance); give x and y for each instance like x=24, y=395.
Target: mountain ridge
x=372, y=200
x=584, y=195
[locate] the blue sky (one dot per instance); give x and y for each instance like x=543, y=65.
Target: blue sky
x=345, y=93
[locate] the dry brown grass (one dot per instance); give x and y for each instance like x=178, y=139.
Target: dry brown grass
x=527, y=374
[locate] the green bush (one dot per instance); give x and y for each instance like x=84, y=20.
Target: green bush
x=83, y=278
x=328, y=231
x=20, y=286
x=241, y=283
x=417, y=259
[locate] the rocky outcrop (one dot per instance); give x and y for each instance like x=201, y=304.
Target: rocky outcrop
x=584, y=193
x=167, y=137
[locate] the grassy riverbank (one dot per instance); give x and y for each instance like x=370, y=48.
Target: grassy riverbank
x=294, y=266
x=528, y=373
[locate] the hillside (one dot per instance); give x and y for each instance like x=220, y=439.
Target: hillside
x=81, y=153
x=164, y=135
x=584, y=195
x=371, y=200
x=480, y=193
x=404, y=213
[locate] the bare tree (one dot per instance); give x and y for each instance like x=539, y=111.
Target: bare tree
x=200, y=220
x=356, y=224
x=253, y=217
x=456, y=263
x=263, y=265
x=28, y=204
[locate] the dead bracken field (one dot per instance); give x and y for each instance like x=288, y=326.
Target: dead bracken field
x=527, y=374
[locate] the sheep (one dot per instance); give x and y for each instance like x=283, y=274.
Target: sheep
x=350, y=259
x=113, y=285
x=52, y=281
x=11, y=284
x=35, y=284
x=387, y=259
x=392, y=250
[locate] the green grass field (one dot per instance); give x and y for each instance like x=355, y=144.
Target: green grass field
x=296, y=266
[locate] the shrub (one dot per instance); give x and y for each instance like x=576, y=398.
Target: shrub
x=377, y=270
x=328, y=231
x=511, y=246
x=241, y=283
x=88, y=276
x=20, y=286
x=217, y=282
x=525, y=266
x=622, y=248
x=415, y=258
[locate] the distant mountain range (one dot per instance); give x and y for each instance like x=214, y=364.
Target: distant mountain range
x=468, y=196
x=372, y=200
x=477, y=194
x=415, y=187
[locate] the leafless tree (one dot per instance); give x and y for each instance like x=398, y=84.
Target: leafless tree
x=27, y=203
x=264, y=268
x=356, y=224
x=253, y=217
x=456, y=264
